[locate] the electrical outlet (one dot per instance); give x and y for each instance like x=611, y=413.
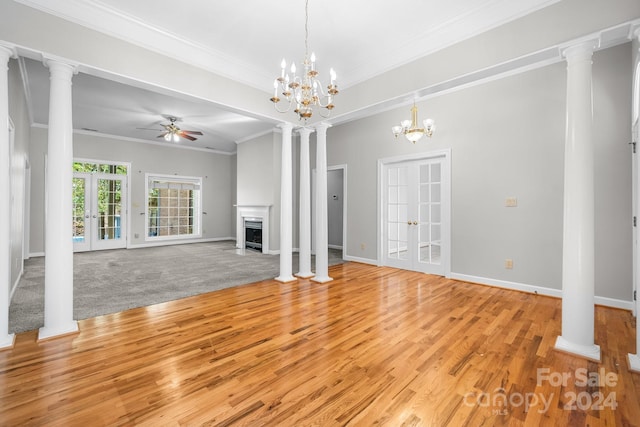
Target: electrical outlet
x=362, y=246
x=508, y=264
x=511, y=202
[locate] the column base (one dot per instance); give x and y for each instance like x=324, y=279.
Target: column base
x=46, y=333
x=304, y=275
x=285, y=279
x=634, y=362
x=7, y=342
x=591, y=352
x=322, y=279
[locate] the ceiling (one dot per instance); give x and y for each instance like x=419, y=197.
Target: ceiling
x=246, y=41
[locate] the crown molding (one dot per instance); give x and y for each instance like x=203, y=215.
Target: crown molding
x=603, y=39
x=97, y=16
x=434, y=38
x=140, y=140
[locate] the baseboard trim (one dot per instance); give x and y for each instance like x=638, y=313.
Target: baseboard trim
x=539, y=290
x=361, y=260
x=335, y=247
x=15, y=284
x=615, y=303
x=179, y=242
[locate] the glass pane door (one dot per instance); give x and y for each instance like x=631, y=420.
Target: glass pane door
x=107, y=212
x=109, y=208
x=413, y=206
x=98, y=220
x=397, y=217
x=81, y=212
x=430, y=207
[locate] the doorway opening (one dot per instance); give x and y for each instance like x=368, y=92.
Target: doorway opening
x=336, y=208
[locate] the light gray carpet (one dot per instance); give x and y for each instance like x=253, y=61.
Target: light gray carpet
x=117, y=280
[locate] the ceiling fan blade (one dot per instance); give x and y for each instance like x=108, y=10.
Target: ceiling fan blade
x=185, y=136
x=193, y=132
x=162, y=135
x=156, y=129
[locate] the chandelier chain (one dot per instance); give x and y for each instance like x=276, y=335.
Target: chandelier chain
x=306, y=30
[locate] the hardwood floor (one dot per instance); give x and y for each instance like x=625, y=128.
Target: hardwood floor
x=374, y=346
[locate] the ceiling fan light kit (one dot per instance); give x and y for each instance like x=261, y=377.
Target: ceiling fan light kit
x=174, y=133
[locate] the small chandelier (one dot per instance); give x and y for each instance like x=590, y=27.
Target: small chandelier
x=410, y=129
x=304, y=91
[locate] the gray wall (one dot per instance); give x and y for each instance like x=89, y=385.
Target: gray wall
x=335, y=202
x=259, y=167
x=507, y=140
x=215, y=169
x=19, y=171
x=258, y=184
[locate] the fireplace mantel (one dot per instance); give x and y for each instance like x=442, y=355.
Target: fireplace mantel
x=252, y=212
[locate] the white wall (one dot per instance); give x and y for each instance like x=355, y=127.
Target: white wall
x=507, y=140
x=215, y=170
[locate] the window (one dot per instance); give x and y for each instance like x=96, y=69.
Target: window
x=90, y=167
x=173, y=207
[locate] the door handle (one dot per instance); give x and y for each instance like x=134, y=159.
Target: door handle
x=86, y=216
x=415, y=222
x=95, y=216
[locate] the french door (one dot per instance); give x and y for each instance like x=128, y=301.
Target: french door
x=99, y=221
x=415, y=215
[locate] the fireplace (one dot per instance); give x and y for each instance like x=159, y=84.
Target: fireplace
x=246, y=236
x=253, y=233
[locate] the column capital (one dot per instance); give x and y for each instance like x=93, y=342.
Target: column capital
x=285, y=126
x=54, y=63
x=7, y=51
x=305, y=131
x=635, y=32
x=323, y=126
x=582, y=50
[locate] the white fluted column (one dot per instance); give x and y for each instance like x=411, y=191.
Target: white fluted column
x=305, y=206
x=286, y=207
x=58, y=264
x=322, y=226
x=634, y=359
x=578, y=260
x=6, y=339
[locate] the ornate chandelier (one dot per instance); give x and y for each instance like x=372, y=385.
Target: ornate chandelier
x=410, y=129
x=304, y=91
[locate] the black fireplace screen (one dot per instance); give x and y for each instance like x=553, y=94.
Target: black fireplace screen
x=253, y=234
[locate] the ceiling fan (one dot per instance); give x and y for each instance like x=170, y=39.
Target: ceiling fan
x=174, y=133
